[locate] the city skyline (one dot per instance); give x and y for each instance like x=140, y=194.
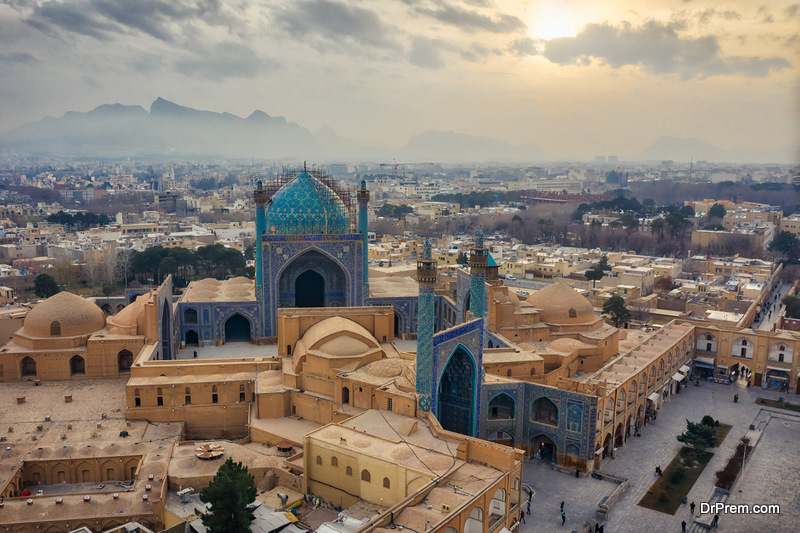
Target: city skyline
x=574, y=78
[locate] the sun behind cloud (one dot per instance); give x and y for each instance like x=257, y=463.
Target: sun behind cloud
x=551, y=19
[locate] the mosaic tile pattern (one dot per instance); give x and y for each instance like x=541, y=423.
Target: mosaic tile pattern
x=425, y=326
x=306, y=206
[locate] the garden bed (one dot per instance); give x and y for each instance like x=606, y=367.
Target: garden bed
x=779, y=405
x=721, y=431
x=667, y=492
x=728, y=475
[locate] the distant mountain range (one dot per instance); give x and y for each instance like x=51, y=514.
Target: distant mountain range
x=174, y=131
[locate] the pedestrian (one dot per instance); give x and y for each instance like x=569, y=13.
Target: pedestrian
x=529, y=507
x=691, y=508
x=195, y=354
x=602, y=528
x=522, y=516
x=577, y=474
x=683, y=526
x=530, y=495
x=715, y=523
x=562, y=507
x=563, y=518
x=596, y=527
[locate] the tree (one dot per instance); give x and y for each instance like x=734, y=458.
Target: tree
x=110, y=266
x=125, y=261
x=615, y=308
x=45, y=286
x=663, y=283
x=699, y=436
x=593, y=275
x=230, y=494
x=786, y=244
x=462, y=258
x=91, y=269
x=717, y=211
x=603, y=264
x=792, y=304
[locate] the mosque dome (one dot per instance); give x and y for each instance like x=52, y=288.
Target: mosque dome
x=559, y=304
x=307, y=206
x=64, y=315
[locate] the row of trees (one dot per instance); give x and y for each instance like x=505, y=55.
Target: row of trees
x=79, y=221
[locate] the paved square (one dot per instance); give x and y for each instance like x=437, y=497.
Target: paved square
x=778, y=483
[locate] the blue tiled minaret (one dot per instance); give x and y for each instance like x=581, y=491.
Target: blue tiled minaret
x=426, y=276
x=478, y=260
x=260, y=197
x=363, y=227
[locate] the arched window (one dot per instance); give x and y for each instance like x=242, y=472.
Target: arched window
x=545, y=411
x=573, y=313
x=348, y=470
x=533, y=371
x=190, y=316
x=365, y=476
x=501, y=407
x=124, y=361
x=213, y=388
x=334, y=461
x=508, y=373
x=136, y=392
x=386, y=483
x=55, y=328
x=188, y=391
x=319, y=460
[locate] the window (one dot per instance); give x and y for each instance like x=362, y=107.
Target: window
x=319, y=460
x=55, y=328
x=190, y=316
x=213, y=388
x=241, y=396
x=365, y=476
x=214, y=398
x=160, y=401
x=188, y=400
x=573, y=313
x=508, y=373
x=137, y=402
x=389, y=404
x=348, y=471
x=334, y=461
x=533, y=371
x=386, y=483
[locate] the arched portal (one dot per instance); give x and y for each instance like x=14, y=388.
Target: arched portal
x=545, y=447
x=237, y=329
x=456, y=407
x=191, y=338
x=345, y=395
x=502, y=407
x=124, y=361
x=313, y=279
x=28, y=367
x=77, y=366
x=502, y=437
x=396, y=325
x=166, y=345
x=309, y=290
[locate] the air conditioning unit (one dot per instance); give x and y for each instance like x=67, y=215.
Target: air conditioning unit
x=445, y=508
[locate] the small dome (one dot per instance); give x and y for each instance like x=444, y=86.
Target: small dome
x=64, y=315
x=566, y=345
x=559, y=304
x=306, y=206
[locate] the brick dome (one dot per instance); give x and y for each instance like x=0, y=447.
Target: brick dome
x=559, y=304
x=64, y=315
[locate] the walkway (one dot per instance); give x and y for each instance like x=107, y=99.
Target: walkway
x=657, y=446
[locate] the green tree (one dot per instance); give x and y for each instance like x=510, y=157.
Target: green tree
x=45, y=286
x=230, y=494
x=717, y=211
x=792, y=304
x=594, y=275
x=699, y=436
x=786, y=244
x=250, y=253
x=603, y=265
x=615, y=308
x=462, y=258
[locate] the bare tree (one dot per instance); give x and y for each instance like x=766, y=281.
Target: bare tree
x=64, y=269
x=640, y=310
x=92, y=268
x=110, y=265
x=125, y=260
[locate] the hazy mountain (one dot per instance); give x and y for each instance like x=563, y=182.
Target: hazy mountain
x=438, y=146
x=684, y=149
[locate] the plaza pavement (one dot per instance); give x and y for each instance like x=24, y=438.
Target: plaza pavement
x=763, y=479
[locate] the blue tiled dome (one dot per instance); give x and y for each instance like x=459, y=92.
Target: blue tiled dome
x=306, y=206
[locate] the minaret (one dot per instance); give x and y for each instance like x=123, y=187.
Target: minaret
x=260, y=198
x=478, y=260
x=362, y=195
x=426, y=276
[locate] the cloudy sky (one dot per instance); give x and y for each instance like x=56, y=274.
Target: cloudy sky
x=576, y=77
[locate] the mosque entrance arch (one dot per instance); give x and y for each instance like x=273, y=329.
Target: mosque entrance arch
x=309, y=290
x=313, y=279
x=191, y=338
x=237, y=329
x=544, y=446
x=456, y=406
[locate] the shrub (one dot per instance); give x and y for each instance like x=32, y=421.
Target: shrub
x=662, y=497
x=677, y=475
x=708, y=420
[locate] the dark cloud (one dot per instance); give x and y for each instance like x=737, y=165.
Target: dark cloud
x=17, y=58
x=225, y=60
x=472, y=20
x=765, y=16
x=791, y=11
x=55, y=17
x=426, y=53
x=657, y=47
x=526, y=46
x=335, y=21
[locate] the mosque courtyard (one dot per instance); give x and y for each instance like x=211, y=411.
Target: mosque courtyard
x=771, y=476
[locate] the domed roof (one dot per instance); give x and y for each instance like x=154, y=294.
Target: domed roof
x=566, y=345
x=64, y=315
x=559, y=304
x=306, y=206
x=320, y=337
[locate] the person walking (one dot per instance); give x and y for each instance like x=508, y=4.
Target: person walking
x=683, y=526
x=522, y=516
x=596, y=527
x=562, y=507
x=563, y=518
x=529, y=507
x=715, y=523
x=691, y=508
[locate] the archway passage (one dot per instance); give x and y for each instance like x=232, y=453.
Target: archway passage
x=237, y=329
x=396, y=325
x=313, y=279
x=166, y=345
x=309, y=290
x=191, y=338
x=124, y=361
x=456, y=406
x=28, y=367
x=77, y=366
x=545, y=447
